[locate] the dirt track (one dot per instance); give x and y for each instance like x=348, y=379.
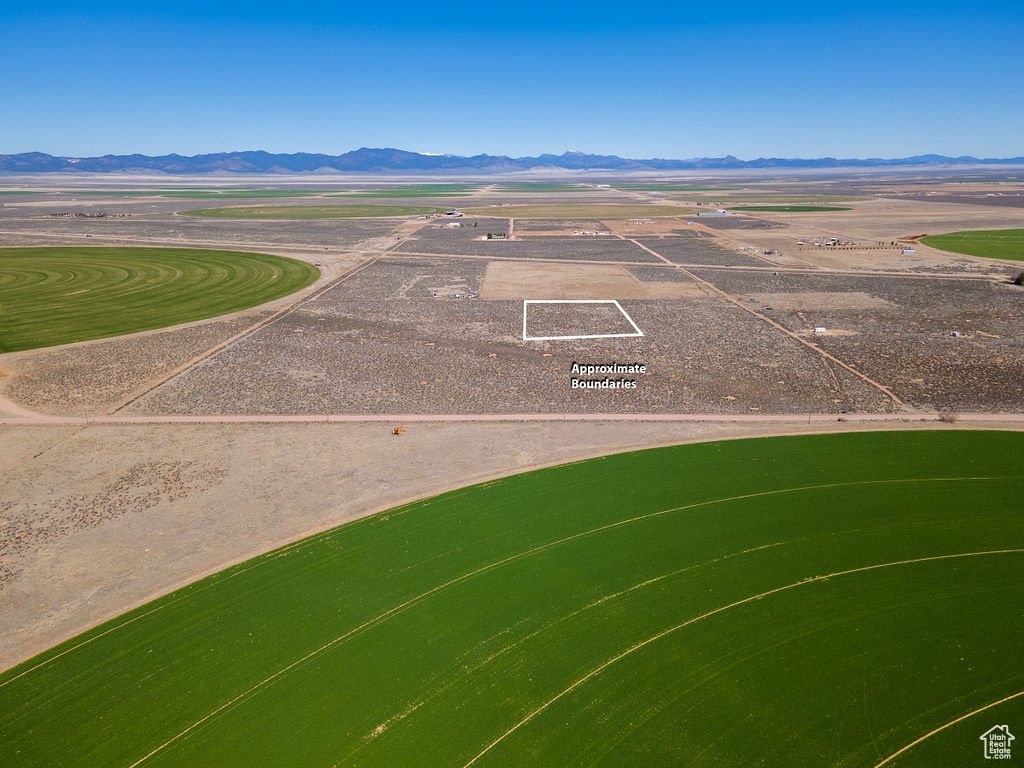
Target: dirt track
x=30, y=418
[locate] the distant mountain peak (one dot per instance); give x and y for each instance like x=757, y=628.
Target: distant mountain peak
x=371, y=159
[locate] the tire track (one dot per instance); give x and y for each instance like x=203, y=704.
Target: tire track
x=947, y=725
x=596, y=671
x=736, y=302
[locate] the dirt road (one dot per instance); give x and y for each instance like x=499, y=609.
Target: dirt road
x=24, y=417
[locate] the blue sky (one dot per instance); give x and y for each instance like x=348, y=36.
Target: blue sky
x=639, y=80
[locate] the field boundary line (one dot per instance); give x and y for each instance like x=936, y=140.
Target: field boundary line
x=947, y=725
x=416, y=599
x=733, y=300
x=597, y=670
x=245, y=332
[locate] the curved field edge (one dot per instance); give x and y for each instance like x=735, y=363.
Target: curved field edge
x=986, y=243
x=702, y=603
x=54, y=296
x=312, y=211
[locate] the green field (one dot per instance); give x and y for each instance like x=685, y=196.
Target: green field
x=54, y=296
x=544, y=186
x=581, y=210
x=238, y=193
x=990, y=243
x=311, y=211
x=200, y=193
x=414, y=190
x=789, y=208
x=797, y=601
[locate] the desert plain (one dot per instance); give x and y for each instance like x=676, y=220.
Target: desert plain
x=135, y=464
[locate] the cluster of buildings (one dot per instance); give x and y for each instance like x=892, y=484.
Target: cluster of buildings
x=470, y=295
x=80, y=215
x=832, y=241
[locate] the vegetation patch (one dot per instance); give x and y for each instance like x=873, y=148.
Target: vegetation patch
x=789, y=208
x=989, y=243
x=240, y=193
x=311, y=211
x=698, y=604
x=52, y=296
x=414, y=190
x=583, y=210
x=544, y=186
x=199, y=193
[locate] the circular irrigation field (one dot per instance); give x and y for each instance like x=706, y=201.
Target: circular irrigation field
x=988, y=243
x=54, y=296
x=840, y=600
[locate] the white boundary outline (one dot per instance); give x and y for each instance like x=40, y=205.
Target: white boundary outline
x=591, y=336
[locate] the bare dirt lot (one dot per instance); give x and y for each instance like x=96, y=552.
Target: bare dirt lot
x=819, y=300
x=699, y=248
x=514, y=280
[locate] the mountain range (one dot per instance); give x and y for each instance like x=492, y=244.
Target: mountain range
x=370, y=160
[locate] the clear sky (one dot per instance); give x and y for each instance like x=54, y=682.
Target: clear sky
x=849, y=79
